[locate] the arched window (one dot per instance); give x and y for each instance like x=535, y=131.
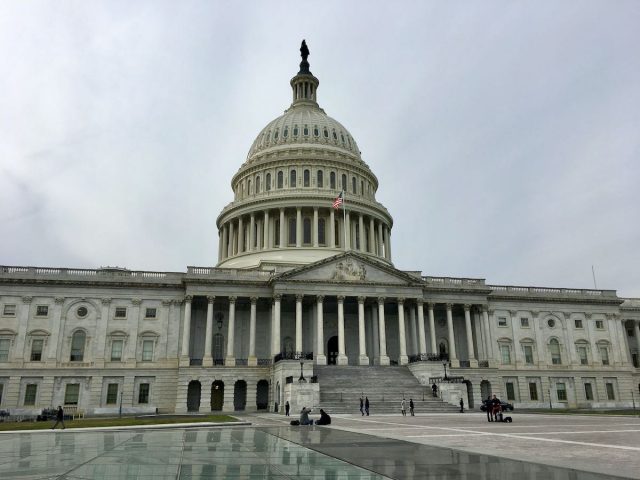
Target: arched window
x=275, y=135
x=295, y=130
x=316, y=132
x=277, y=233
x=554, y=349
x=280, y=179
x=306, y=229
x=342, y=137
x=320, y=179
x=258, y=184
x=292, y=231
x=353, y=185
x=344, y=182
x=77, y=346
x=332, y=180
x=321, y=235
x=306, y=178
x=267, y=182
x=361, y=187
x=248, y=187
x=305, y=131
x=292, y=179
x=285, y=133
x=335, y=135
x=326, y=133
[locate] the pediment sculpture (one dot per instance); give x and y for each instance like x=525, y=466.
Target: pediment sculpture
x=349, y=271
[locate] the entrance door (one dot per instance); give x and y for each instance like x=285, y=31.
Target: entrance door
x=239, y=395
x=217, y=395
x=469, y=394
x=485, y=389
x=262, y=395
x=193, y=396
x=332, y=350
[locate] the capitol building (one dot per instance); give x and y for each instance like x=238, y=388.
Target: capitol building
x=305, y=305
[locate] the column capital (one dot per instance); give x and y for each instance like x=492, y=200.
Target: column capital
x=467, y=307
x=400, y=300
x=177, y=301
x=188, y=298
x=233, y=299
x=165, y=303
x=490, y=311
x=341, y=298
x=277, y=297
x=431, y=305
x=59, y=300
x=420, y=301
x=381, y=300
x=315, y=209
x=513, y=313
x=320, y=298
x=136, y=301
x=299, y=297
x=253, y=300
x=27, y=300
x=211, y=298
x=449, y=306
x=361, y=299
x=106, y=301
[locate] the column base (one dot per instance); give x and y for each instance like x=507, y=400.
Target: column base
x=230, y=362
x=321, y=359
x=342, y=360
x=207, y=362
x=363, y=360
x=384, y=360
x=473, y=363
x=252, y=361
x=403, y=360
x=185, y=361
x=454, y=363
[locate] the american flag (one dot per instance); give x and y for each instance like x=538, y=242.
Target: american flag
x=338, y=201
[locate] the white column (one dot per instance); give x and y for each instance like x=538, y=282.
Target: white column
x=230, y=245
x=342, y=358
x=452, y=339
x=487, y=329
x=207, y=361
x=361, y=233
x=372, y=235
x=412, y=326
x=403, y=360
x=470, y=350
x=374, y=331
x=321, y=358
x=225, y=242
x=299, y=323
x=421, y=335
x=387, y=243
x=384, y=359
x=240, y=235
x=380, y=240
x=363, y=359
x=186, y=331
x=231, y=359
x=332, y=229
x=252, y=361
x=283, y=241
x=432, y=329
x=275, y=340
x=252, y=232
x=636, y=329
x=315, y=227
x=298, y=227
x=265, y=231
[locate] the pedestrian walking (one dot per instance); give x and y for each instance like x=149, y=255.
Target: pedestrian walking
x=59, y=418
x=411, y=407
x=366, y=405
x=461, y=406
x=287, y=407
x=434, y=389
x=361, y=406
x=403, y=408
x=489, y=405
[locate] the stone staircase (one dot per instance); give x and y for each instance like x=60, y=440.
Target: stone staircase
x=341, y=387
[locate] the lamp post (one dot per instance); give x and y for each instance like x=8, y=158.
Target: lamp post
x=301, y=379
x=444, y=364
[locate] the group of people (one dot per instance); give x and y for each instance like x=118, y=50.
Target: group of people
x=494, y=409
x=364, y=406
x=324, y=419
x=411, y=408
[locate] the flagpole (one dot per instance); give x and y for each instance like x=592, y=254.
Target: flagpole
x=344, y=213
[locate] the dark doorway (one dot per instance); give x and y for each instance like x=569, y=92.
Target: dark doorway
x=262, y=395
x=332, y=350
x=193, y=396
x=485, y=389
x=469, y=394
x=239, y=395
x=217, y=395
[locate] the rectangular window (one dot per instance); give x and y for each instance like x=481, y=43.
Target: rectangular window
x=147, y=350
x=582, y=355
x=511, y=394
x=524, y=322
x=116, y=350
x=502, y=321
x=561, y=390
x=30, y=393
x=533, y=391
x=150, y=313
x=112, y=394
x=292, y=231
x=9, y=311
x=71, y=394
x=630, y=332
x=578, y=323
x=611, y=394
x=42, y=310
x=143, y=393
x=528, y=354
x=604, y=355
x=505, y=352
x=600, y=324
x=5, y=343
x=36, y=350
x=121, y=312
x=634, y=359
x=588, y=391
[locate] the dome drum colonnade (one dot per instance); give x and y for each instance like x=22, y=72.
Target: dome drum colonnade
x=296, y=167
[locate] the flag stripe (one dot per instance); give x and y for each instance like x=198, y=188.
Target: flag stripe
x=338, y=201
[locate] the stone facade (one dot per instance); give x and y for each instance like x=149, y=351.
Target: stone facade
x=300, y=283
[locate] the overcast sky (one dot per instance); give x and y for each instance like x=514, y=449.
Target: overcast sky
x=505, y=135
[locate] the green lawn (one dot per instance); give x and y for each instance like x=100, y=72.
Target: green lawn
x=117, y=422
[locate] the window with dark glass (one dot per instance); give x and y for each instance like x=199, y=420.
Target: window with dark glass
x=116, y=350
x=30, y=393
x=320, y=179
x=361, y=187
x=267, y=182
x=344, y=182
x=306, y=176
x=143, y=393
x=336, y=232
x=71, y=394
x=611, y=394
x=121, y=312
x=295, y=131
x=353, y=185
x=112, y=394
x=554, y=348
x=5, y=343
x=326, y=133
x=280, y=179
x=582, y=355
x=77, y=346
x=305, y=131
x=528, y=354
x=335, y=135
x=258, y=184
x=285, y=134
x=275, y=135
x=332, y=180
x=277, y=233
x=292, y=231
x=306, y=229
x=150, y=312
x=588, y=391
x=292, y=179
x=533, y=391
x=316, y=132
x=511, y=393
x=42, y=311
x=561, y=391
x=321, y=235
x=36, y=349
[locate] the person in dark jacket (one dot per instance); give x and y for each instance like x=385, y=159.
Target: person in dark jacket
x=489, y=405
x=361, y=406
x=434, y=389
x=287, y=407
x=325, y=419
x=59, y=418
x=411, y=407
x=461, y=406
x=497, y=407
x=366, y=405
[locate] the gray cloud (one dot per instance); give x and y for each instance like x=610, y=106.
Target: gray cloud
x=505, y=135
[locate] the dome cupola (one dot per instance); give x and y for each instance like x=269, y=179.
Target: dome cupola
x=282, y=212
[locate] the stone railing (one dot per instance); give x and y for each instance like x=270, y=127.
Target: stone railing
x=551, y=292
x=454, y=282
x=428, y=357
x=229, y=273
x=483, y=363
x=85, y=273
x=293, y=356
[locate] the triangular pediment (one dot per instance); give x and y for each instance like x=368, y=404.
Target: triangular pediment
x=349, y=267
